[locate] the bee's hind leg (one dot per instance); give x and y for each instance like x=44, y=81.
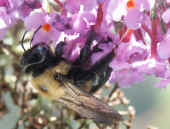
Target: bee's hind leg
x=102, y=71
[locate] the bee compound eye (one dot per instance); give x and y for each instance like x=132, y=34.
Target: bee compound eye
x=43, y=88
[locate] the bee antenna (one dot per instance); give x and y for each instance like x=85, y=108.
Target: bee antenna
x=35, y=33
x=22, y=41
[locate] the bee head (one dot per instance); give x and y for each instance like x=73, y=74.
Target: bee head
x=39, y=57
x=35, y=57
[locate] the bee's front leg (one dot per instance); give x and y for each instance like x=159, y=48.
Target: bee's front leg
x=60, y=49
x=86, y=51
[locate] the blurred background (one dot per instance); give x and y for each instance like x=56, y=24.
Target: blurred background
x=152, y=105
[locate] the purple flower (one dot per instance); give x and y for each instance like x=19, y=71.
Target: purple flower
x=10, y=5
x=129, y=52
x=126, y=77
x=27, y=6
x=140, y=42
x=73, y=47
x=7, y=17
x=134, y=18
x=73, y=6
x=48, y=32
x=4, y=3
x=135, y=13
x=152, y=67
x=13, y=10
x=166, y=16
x=106, y=48
x=62, y=23
x=82, y=22
x=131, y=10
x=115, y=7
x=144, y=4
x=163, y=48
x=133, y=51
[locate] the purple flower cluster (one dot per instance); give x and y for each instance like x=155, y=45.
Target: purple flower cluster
x=13, y=10
x=137, y=30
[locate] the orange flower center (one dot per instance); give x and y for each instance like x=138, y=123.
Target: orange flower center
x=130, y=4
x=46, y=27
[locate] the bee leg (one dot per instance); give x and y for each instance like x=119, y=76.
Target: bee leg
x=86, y=52
x=77, y=72
x=100, y=80
x=101, y=71
x=60, y=49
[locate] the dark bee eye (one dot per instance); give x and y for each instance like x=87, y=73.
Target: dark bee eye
x=38, y=54
x=35, y=57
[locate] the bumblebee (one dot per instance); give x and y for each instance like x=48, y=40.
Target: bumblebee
x=69, y=82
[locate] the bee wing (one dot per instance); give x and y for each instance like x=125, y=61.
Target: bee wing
x=88, y=106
